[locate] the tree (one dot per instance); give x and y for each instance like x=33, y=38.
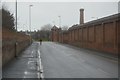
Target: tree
x=65, y=28
x=46, y=27
x=7, y=19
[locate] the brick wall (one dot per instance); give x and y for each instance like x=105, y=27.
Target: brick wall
x=101, y=35
x=0, y=48
x=9, y=49
x=118, y=34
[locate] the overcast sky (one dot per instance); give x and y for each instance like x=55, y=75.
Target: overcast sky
x=48, y=12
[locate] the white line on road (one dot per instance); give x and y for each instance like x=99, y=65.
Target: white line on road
x=40, y=69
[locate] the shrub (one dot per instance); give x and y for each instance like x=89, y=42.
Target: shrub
x=7, y=19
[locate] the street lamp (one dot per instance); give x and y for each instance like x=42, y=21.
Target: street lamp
x=16, y=15
x=53, y=23
x=59, y=21
x=94, y=17
x=30, y=21
x=16, y=30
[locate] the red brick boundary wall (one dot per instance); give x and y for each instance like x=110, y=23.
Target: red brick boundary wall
x=9, y=49
x=101, y=35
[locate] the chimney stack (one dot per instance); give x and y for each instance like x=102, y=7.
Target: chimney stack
x=81, y=16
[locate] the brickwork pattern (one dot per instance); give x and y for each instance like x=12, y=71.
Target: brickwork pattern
x=101, y=35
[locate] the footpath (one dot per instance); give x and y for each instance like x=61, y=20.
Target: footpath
x=25, y=66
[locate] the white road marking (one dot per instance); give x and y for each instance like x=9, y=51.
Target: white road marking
x=40, y=74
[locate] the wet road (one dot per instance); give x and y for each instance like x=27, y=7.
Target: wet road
x=64, y=61
x=60, y=61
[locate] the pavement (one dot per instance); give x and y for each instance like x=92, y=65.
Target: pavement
x=60, y=61
x=0, y=74
x=0, y=62
x=25, y=65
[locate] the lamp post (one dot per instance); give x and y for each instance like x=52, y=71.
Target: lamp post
x=16, y=15
x=59, y=37
x=53, y=23
x=59, y=21
x=30, y=21
x=16, y=29
x=94, y=17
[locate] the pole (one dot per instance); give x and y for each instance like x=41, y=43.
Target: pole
x=59, y=21
x=30, y=21
x=16, y=32
x=16, y=15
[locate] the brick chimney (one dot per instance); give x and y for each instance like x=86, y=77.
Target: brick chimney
x=81, y=16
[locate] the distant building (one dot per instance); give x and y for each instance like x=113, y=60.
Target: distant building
x=55, y=34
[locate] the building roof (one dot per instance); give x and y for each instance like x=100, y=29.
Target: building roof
x=54, y=28
x=102, y=20
x=95, y=22
x=73, y=27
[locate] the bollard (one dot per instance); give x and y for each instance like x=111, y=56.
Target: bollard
x=16, y=49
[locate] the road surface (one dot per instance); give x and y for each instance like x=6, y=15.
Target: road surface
x=61, y=61
x=64, y=61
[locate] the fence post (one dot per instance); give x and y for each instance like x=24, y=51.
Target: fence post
x=16, y=48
